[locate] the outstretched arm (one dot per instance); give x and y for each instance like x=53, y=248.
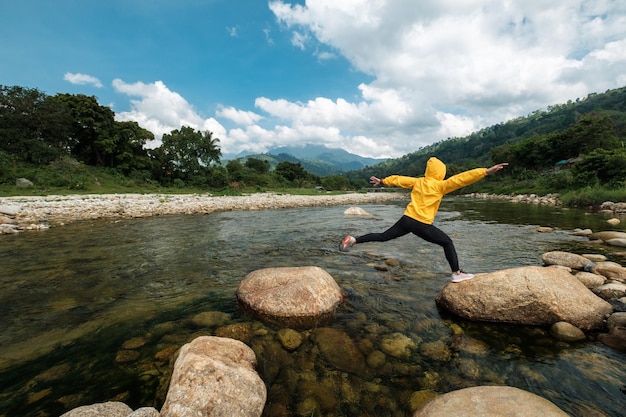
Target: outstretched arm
x=496, y=167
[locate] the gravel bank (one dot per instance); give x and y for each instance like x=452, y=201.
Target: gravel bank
x=58, y=210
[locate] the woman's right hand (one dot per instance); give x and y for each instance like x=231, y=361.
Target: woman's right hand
x=375, y=181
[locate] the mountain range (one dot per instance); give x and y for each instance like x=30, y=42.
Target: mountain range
x=317, y=159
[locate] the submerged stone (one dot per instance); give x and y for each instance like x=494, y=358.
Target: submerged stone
x=292, y=296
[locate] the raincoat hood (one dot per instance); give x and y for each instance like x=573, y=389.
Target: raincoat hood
x=435, y=169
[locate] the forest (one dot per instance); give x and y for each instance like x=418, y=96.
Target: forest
x=72, y=143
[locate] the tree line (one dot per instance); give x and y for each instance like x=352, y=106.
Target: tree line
x=566, y=147
x=53, y=138
x=64, y=133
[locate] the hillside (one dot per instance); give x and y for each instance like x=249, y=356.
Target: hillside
x=477, y=148
x=316, y=159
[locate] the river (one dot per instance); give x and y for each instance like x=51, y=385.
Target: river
x=93, y=311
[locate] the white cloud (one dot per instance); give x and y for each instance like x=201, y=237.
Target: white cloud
x=447, y=68
x=439, y=69
x=299, y=40
x=325, y=55
x=232, y=31
x=240, y=117
x=82, y=79
x=161, y=110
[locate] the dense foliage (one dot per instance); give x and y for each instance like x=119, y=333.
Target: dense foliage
x=57, y=141
x=72, y=142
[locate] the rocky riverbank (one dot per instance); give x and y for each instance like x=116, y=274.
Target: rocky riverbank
x=549, y=199
x=41, y=212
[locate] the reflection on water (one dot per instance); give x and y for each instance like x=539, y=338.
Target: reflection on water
x=94, y=311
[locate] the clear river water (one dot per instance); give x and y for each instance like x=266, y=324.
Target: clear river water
x=94, y=311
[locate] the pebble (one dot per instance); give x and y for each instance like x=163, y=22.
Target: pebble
x=28, y=211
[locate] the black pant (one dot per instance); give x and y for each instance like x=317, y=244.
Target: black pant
x=428, y=232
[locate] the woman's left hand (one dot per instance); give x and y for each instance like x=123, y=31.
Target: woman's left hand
x=497, y=167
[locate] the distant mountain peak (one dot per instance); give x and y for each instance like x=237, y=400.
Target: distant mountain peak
x=317, y=159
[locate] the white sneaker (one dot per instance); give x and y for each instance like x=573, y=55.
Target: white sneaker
x=461, y=276
x=346, y=243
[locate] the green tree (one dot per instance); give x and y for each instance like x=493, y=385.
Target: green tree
x=7, y=169
x=590, y=132
x=336, y=182
x=290, y=171
x=129, y=153
x=601, y=167
x=33, y=127
x=218, y=178
x=260, y=166
x=188, y=154
x=92, y=139
x=235, y=170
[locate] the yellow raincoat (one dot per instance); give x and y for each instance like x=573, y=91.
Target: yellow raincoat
x=427, y=191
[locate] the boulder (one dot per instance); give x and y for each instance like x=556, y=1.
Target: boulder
x=145, y=412
x=23, y=182
x=606, y=235
x=9, y=210
x=7, y=220
x=616, y=320
x=107, y=409
x=339, y=350
x=290, y=339
x=492, y=401
x=619, y=208
x=607, y=206
x=589, y=279
x=609, y=270
x=595, y=257
x=397, y=345
x=9, y=229
x=570, y=260
x=215, y=376
x=616, y=338
x=210, y=319
x=611, y=290
x=566, y=332
x=619, y=304
x=356, y=211
x=526, y=295
x=297, y=297
x=620, y=241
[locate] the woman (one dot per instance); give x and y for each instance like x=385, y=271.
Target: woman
x=426, y=195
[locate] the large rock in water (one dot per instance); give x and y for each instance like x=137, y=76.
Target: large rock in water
x=109, y=409
x=489, y=401
x=607, y=235
x=570, y=260
x=215, y=377
x=291, y=296
x=340, y=350
x=526, y=295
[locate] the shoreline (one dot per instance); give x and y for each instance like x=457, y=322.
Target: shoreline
x=40, y=212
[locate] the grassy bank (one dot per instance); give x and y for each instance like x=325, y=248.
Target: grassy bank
x=592, y=197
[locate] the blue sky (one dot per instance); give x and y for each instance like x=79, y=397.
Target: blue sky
x=379, y=78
